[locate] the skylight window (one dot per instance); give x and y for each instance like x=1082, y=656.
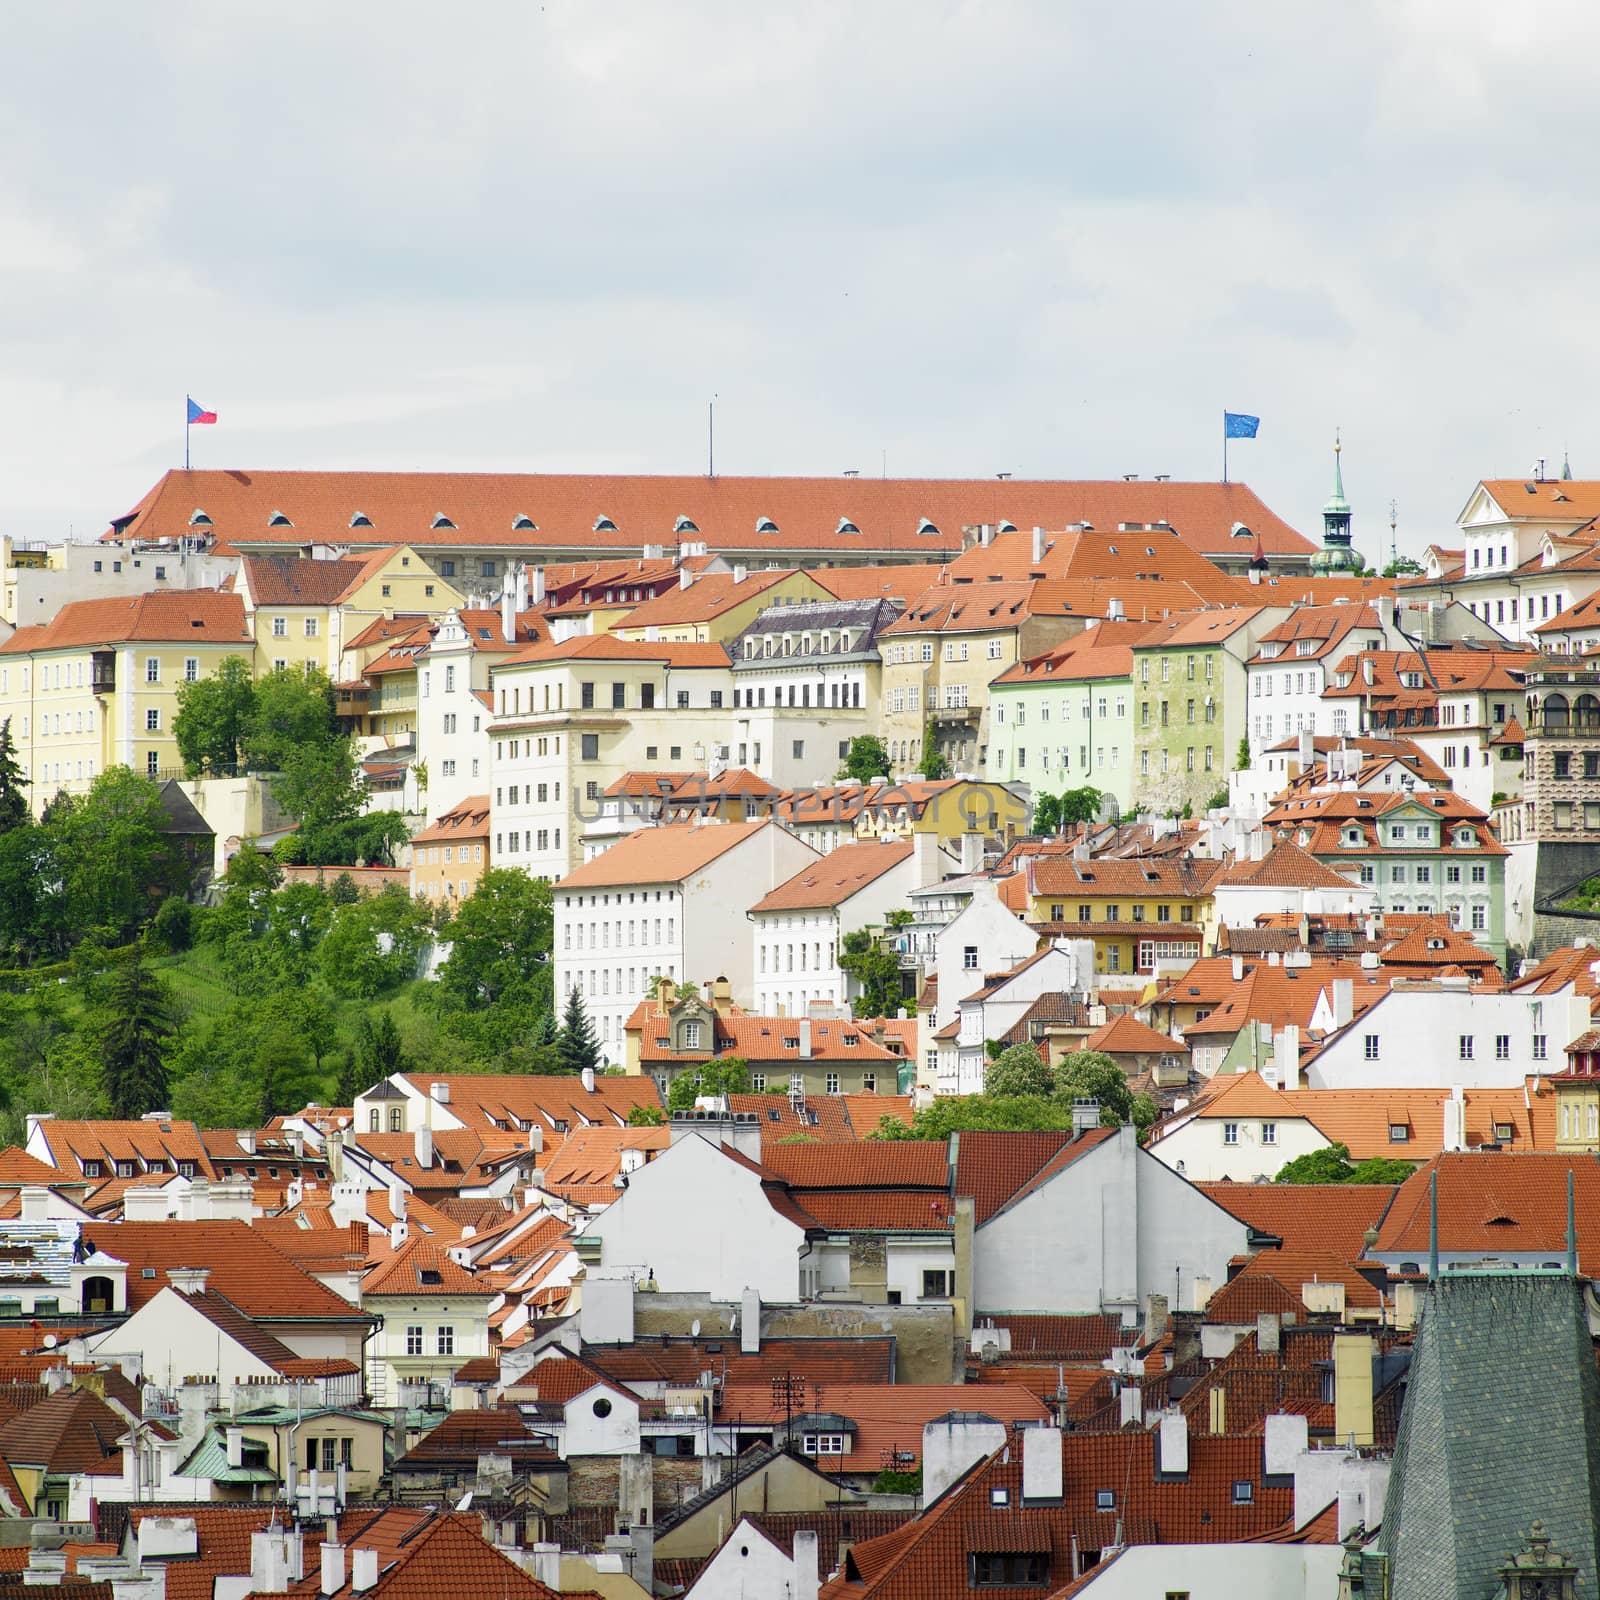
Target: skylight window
x=766, y=525
x=846, y=526
x=684, y=525
x=278, y=520
x=924, y=526
x=361, y=520
x=198, y=519
x=440, y=520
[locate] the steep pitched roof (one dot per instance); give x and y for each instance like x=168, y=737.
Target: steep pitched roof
x=836, y=877
x=706, y=598
x=73, y=1430
x=1332, y=1216
x=421, y=1267
x=661, y=855
x=189, y=616
x=1285, y=866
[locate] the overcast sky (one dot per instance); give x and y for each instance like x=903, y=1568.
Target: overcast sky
x=1055, y=240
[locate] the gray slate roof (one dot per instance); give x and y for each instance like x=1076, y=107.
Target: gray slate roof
x=1501, y=1426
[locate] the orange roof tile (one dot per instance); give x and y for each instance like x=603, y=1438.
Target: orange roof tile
x=420, y=1267
x=190, y=616
x=660, y=855
x=836, y=877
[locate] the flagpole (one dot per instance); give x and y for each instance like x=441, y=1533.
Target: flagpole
x=186, y=441
x=1224, y=446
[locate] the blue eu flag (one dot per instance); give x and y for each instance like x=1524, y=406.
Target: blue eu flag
x=1235, y=425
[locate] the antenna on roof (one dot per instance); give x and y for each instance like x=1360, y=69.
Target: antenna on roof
x=1433, y=1227
x=711, y=437
x=1572, y=1227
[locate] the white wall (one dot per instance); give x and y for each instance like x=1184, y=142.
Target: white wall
x=699, y=1221
x=1219, y=1572
x=749, y=1564
x=173, y=1341
x=1406, y=1017
x=1108, y=1229
x=1001, y=939
x=1196, y=1148
x=587, y=1433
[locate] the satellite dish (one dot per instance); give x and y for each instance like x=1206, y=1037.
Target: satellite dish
x=694, y=1329
x=49, y=1341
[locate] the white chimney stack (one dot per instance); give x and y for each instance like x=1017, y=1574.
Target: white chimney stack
x=1038, y=545
x=332, y=1567
x=508, y=608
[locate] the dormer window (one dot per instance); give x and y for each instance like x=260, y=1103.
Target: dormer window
x=278, y=520
x=604, y=524
x=766, y=525
x=360, y=520
x=198, y=519
x=524, y=524
x=440, y=520
x=1306, y=647
x=1005, y=527
x=684, y=525
x=924, y=526
x=846, y=526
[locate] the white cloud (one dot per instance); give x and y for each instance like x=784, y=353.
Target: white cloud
x=1055, y=239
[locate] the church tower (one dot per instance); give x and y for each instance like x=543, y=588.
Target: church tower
x=1336, y=558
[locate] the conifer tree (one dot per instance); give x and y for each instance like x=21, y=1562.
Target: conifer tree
x=13, y=786
x=577, y=1047
x=138, y=1024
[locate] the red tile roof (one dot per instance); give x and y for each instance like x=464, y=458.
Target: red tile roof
x=991, y=1167
x=661, y=855
x=420, y=1267
x=1331, y=1216
x=840, y=874
x=191, y=616
x=466, y=819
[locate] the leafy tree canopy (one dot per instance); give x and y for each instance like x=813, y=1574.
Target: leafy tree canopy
x=1019, y=1069
x=214, y=717
x=866, y=758
x=1332, y=1164
x=728, y=1076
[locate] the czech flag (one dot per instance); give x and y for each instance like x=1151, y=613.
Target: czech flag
x=199, y=413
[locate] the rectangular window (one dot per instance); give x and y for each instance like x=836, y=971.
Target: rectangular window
x=1502, y=1047
x=591, y=747
x=152, y=720
x=1370, y=1046
x=1269, y=1133
x=280, y=627
x=1230, y=1133
x=447, y=1340
x=152, y=669
x=969, y=958
x=833, y=1083
x=414, y=1340
x=586, y=696
x=1539, y=1046
x=1464, y=1046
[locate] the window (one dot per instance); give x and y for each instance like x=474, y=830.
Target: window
x=1105, y=1499
x=414, y=1340
x=691, y=1036
x=1370, y=1046
x=447, y=1340
x=1269, y=1133
x=1244, y=1492
x=152, y=720
x=936, y=1284
x=397, y=1122
x=1539, y=1047
x=1008, y=1571
x=586, y=696
x=1502, y=1047
x=999, y=1497
x=822, y=1444
x=591, y=747
x=969, y=958
x=1464, y=1046
x=1230, y=1133
x=280, y=627
x=311, y=633
x=191, y=669
x=832, y=1083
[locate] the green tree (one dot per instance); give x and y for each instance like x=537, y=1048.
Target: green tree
x=13, y=786
x=1403, y=567
x=214, y=716
x=283, y=1073
x=867, y=758
x=135, y=1029
x=1332, y=1164
x=1242, y=763
x=172, y=924
x=343, y=891
x=249, y=868
x=114, y=854
x=1093, y=1075
x=500, y=944
x=875, y=967
x=32, y=908
x=292, y=712
x=374, y=945
x=1020, y=1069
x=731, y=1075
x=1081, y=805
x=577, y=1047
x=934, y=766
x=1047, y=814
x=989, y=1113
x=646, y=1117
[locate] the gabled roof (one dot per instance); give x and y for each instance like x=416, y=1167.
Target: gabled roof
x=73, y=1430
x=1127, y=1035
x=1123, y=878
x=1284, y=866
x=707, y=597
x=420, y=1267
x=1330, y=1216
x=283, y=580
x=661, y=855
x=466, y=819
x=607, y=647
x=189, y=616
x=840, y=874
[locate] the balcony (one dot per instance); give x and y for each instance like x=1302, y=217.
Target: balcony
x=103, y=672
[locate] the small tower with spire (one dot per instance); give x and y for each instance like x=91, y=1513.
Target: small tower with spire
x=1336, y=558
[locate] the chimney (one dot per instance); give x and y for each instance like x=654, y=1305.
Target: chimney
x=439, y=1093
x=805, y=1564
x=750, y=1322
x=1366, y=670
x=547, y=1565
x=1286, y=1056
x=1038, y=545
x=269, y=1560
x=522, y=587
x=1455, y=1120
x=332, y=1567
x=740, y=572
x=1307, y=750
x=1173, y=1439
x=233, y=1439
x=685, y=578
x=1344, y=1001
x=927, y=860
x=1041, y=1463
x=805, y=1038
x=423, y=1141
x=508, y=608
x=35, y=1203
x=1155, y=1317
x=1130, y=1403
x=1114, y=611
x=536, y=586
x=188, y=1280
x=1352, y=1387
x=1287, y=1439
x=588, y=1080
x=1085, y=1116
x=363, y=1569
x=1238, y=969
